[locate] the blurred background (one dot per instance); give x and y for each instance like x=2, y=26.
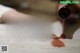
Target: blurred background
x=40, y=5
x=43, y=10
x=44, y=13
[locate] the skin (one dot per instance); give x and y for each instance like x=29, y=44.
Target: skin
x=14, y=16
x=57, y=42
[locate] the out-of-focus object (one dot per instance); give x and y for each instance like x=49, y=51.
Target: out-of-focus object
x=70, y=11
x=71, y=16
x=55, y=0
x=10, y=3
x=44, y=5
x=24, y=4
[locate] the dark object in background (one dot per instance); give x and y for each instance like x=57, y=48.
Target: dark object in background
x=70, y=13
x=9, y=3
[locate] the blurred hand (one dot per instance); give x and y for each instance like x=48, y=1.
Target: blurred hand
x=57, y=43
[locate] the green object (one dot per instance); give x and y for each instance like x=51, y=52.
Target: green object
x=69, y=2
